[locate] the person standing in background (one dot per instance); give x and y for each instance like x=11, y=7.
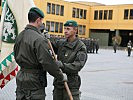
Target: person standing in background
x=97, y=45
x=129, y=48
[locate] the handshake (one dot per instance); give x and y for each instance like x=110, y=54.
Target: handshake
x=61, y=66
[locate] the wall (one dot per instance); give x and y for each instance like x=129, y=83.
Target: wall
x=117, y=21
x=68, y=7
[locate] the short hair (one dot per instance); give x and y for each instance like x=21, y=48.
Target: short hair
x=76, y=28
x=32, y=16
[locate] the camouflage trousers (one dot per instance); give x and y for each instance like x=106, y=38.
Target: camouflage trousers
x=24, y=94
x=61, y=94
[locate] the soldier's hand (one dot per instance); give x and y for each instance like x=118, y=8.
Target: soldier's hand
x=64, y=77
x=60, y=64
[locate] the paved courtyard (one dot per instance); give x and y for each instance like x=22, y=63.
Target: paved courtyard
x=106, y=76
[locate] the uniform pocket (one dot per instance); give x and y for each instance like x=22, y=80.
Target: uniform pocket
x=38, y=95
x=74, y=81
x=76, y=94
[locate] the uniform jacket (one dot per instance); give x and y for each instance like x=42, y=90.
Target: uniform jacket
x=73, y=56
x=32, y=55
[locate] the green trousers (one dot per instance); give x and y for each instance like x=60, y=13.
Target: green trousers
x=61, y=94
x=23, y=94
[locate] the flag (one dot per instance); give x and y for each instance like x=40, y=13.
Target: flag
x=13, y=20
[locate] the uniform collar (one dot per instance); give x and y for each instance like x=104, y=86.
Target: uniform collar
x=33, y=28
x=71, y=44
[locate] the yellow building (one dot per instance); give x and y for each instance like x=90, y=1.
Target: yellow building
x=58, y=11
x=95, y=20
x=108, y=21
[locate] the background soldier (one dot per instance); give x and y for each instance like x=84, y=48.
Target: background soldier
x=116, y=42
x=129, y=48
x=96, y=45
x=115, y=45
x=91, y=45
x=72, y=55
x=32, y=54
x=88, y=45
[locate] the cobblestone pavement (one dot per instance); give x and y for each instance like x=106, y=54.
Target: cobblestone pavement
x=106, y=76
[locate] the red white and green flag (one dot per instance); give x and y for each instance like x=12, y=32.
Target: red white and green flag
x=13, y=20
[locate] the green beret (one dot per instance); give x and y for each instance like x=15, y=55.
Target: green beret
x=38, y=11
x=71, y=23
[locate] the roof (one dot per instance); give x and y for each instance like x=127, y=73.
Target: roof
x=89, y=3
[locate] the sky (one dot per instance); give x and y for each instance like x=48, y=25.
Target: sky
x=107, y=2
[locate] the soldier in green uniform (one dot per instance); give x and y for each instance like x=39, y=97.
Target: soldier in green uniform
x=72, y=56
x=129, y=48
x=115, y=44
x=32, y=54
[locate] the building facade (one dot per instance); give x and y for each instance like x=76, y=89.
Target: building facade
x=108, y=21
x=95, y=20
x=58, y=11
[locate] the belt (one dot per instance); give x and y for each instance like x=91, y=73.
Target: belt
x=74, y=74
x=30, y=70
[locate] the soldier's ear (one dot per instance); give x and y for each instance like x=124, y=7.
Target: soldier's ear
x=75, y=29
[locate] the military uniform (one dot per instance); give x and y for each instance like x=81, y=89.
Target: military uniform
x=129, y=48
x=115, y=46
x=32, y=54
x=97, y=45
x=72, y=56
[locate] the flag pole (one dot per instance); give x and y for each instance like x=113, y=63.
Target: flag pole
x=65, y=83
x=1, y=25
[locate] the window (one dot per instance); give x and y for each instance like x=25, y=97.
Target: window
x=77, y=14
x=61, y=28
x=96, y=15
x=53, y=8
x=85, y=14
x=126, y=12
x=74, y=12
x=48, y=8
x=105, y=14
x=81, y=13
x=100, y=14
x=57, y=9
x=62, y=11
x=110, y=14
x=84, y=30
x=131, y=13
x=0, y=2
x=57, y=27
x=52, y=27
x=48, y=26
x=80, y=29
